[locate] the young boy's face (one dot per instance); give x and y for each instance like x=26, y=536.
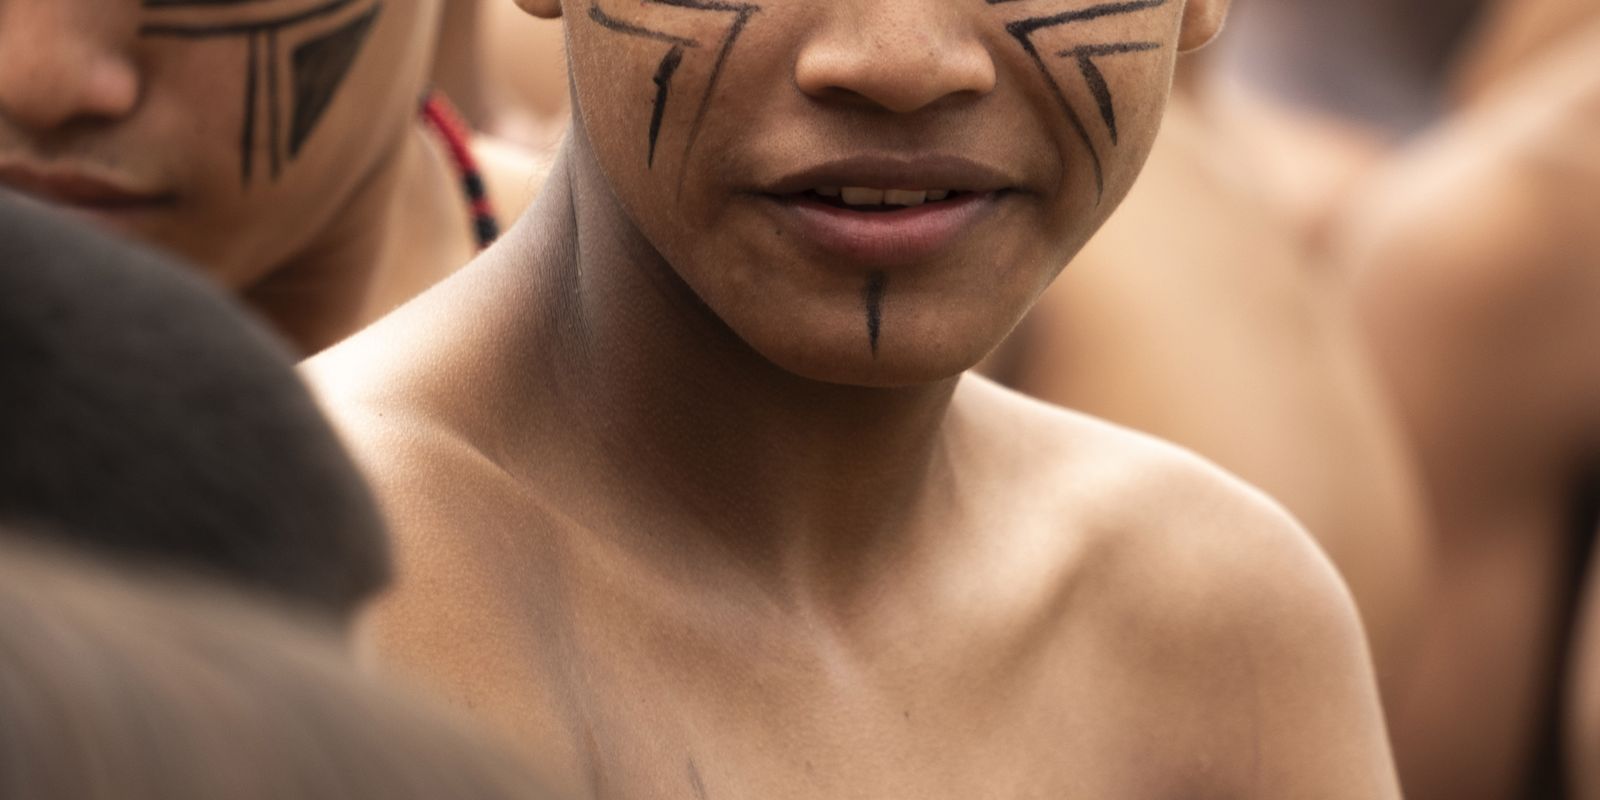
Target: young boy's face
x=230, y=131
x=873, y=191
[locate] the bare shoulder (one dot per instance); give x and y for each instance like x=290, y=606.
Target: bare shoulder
x=1206, y=593
x=1473, y=259
x=399, y=393
x=1155, y=507
x=444, y=499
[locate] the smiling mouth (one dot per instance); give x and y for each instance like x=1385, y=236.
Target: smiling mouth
x=870, y=200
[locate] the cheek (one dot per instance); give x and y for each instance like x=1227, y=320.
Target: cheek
x=269, y=79
x=1140, y=87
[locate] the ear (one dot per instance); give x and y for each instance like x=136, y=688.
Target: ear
x=1202, y=21
x=543, y=9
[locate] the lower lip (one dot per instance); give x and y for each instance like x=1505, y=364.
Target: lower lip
x=887, y=238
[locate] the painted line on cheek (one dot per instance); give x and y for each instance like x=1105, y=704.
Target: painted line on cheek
x=252, y=80
x=320, y=66
x=1085, y=56
x=669, y=65
x=742, y=13
x=664, y=72
x=1023, y=31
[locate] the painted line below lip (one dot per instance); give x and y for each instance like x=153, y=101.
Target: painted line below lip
x=886, y=238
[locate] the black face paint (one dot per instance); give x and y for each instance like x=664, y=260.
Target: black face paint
x=667, y=69
x=877, y=286
x=1023, y=31
x=319, y=66
x=697, y=783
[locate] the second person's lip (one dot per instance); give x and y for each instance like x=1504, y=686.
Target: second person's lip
x=78, y=189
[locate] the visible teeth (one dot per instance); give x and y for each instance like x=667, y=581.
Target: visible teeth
x=901, y=197
x=857, y=196
x=862, y=196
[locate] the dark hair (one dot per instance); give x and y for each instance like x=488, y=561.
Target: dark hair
x=116, y=685
x=143, y=413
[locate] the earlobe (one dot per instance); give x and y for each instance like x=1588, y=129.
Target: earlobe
x=1202, y=21
x=543, y=9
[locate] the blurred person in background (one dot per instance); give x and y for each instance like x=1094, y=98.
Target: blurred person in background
x=147, y=416
x=143, y=685
x=1324, y=91
x=507, y=70
x=1224, y=334
x=286, y=146
x=1476, y=258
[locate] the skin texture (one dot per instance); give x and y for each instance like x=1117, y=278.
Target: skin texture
x=666, y=516
x=1509, y=35
x=1223, y=335
x=148, y=418
x=1474, y=255
x=323, y=215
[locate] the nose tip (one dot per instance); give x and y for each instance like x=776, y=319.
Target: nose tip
x=46, y=82
x=902, y=68
x=45, y=98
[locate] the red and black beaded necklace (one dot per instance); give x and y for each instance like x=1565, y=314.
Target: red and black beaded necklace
x=441, y=115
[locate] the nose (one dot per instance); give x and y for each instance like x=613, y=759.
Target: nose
x=899, y=55
x=60, y=62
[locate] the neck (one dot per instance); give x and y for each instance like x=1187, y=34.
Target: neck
x=403, y=227
x=706, y=439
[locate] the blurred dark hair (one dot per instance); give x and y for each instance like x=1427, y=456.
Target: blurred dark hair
x=121, y=686
x=143, y=413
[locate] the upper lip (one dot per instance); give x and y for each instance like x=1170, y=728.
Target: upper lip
x=940, y=171
x=76, y=186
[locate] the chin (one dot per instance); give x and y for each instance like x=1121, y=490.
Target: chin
x=895, y=365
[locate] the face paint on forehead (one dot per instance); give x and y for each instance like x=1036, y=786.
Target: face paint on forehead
x=679, y=45
x=1084, y=56
x=318, y=64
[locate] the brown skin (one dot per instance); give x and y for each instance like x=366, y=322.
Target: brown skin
x=367, y=215
x=1223, y=335
x=1510, y=35
x=1475, y=261
x=664, y=516
x=1306, y=163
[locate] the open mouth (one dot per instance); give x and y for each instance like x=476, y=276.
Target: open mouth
x=863, y=199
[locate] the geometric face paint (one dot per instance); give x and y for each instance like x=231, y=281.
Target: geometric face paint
x=678, y=45
x=1084, y=56
x=318, y=65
